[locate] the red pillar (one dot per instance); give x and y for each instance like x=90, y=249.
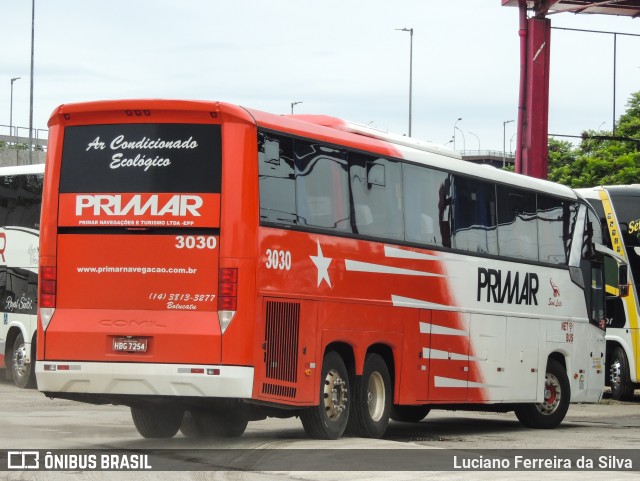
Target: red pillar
x=532, y=153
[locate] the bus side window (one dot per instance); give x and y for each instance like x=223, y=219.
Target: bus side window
x=376, y=190
x=517, y=223
x=322, y=186
x=475, y=216
x=592, y=234
x=277, y=179
x=427, y=200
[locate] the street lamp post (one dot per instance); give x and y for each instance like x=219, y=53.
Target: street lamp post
x=410, y=30
x=455, y=127
x=293, y=104
x=11, y=107
x=33, y=16
x=464, y=141
x=478, y=138
x=504, y=141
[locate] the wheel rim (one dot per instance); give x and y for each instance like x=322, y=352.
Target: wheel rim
x=335, y=395
x=615, y=373
x=19, y=364
x=376, y=396
x=552, y=395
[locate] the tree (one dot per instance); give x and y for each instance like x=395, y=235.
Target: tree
x=600, y=159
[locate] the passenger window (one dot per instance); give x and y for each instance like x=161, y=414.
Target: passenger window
x=376, y=190
x=553, y=229
x=592, y=235
x=427, y=205
x=322, y=186
x=517, y=224
x=277, y=179
x=475, y=216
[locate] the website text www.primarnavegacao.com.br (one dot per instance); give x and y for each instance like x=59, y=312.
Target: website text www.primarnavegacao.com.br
x=136, y=270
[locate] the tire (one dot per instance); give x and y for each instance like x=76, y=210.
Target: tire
x=619, y=377
x=189, y=428
x=157, y=421
x=409, y=414
x=23, y=373
x=328, y=419
x=371, y=407
x=549, y=413
x=225, y=423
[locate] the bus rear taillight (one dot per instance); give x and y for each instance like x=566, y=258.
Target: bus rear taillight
x=227, y=296
x=47, y=294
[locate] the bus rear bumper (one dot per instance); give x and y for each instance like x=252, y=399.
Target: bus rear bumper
x=145, y=379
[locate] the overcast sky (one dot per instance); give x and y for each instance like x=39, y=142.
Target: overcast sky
x=339, y=57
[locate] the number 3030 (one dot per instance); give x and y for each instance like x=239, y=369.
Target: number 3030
x=277, y=259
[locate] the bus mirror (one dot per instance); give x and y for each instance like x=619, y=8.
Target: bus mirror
x=623, y=280
x=616, y=271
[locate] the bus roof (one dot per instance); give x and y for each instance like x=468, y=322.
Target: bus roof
x=339, y=131
x=326, y=129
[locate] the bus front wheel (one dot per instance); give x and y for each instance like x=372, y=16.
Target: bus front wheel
x=157, y=421
x=557, y=395
x=328, y=419
x=619, y=377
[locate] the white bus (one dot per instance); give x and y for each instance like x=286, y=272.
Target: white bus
x=619, y=211
x=20, y=201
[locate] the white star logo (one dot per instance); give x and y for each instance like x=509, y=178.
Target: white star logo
x=322, y=264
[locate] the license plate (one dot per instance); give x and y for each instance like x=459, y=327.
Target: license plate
x=130, y=344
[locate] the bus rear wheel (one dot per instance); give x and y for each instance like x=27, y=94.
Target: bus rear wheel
x=226, y=423
x=369, y=415
x=557, y=396
x=409, y=414
x=328, y=419
x=619, y=377
x=23, y=372
x=157, y=421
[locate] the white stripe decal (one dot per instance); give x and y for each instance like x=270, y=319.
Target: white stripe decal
x=404, y=254
x=448, y=382
x=439, y=381
x=438, y=354
x=447, y=355
x=357, y=266
x=436, y=329
x=400, y=301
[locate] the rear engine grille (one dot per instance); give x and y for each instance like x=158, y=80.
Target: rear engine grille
x=281, y=340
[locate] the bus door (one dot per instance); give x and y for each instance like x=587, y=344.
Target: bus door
x=449, y=356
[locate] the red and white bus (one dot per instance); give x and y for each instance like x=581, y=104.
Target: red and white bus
x=207, y=265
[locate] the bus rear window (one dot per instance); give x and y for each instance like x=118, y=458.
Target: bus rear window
x=166, y=158
x=141, y=176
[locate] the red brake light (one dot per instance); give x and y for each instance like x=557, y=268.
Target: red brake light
x=47, y=286
x=228, y=274
x=228, y=289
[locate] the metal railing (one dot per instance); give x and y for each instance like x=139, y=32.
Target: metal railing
x=20, y=135
x=487, y=153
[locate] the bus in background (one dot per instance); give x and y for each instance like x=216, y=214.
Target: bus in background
x=20, y=199
x=619, y=210
x=208, y=265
